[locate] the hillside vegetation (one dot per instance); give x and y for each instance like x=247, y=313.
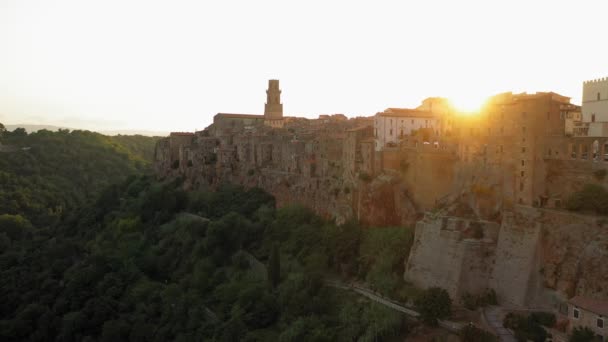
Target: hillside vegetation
x=48, y=173
x=150, y=262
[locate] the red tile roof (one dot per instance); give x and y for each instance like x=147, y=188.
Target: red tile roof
x=597, y=306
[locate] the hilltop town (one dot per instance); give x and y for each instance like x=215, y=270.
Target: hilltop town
x=489, y=190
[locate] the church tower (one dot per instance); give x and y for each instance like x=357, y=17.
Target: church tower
x=273, y=109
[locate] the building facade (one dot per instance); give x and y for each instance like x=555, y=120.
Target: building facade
x=591, y=313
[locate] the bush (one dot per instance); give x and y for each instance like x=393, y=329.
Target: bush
x=472, y=302
x=434, y=304
x=526, y=327
x=543, y=318
x=591, y=198
x=580, y=334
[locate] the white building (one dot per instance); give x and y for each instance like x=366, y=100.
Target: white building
x=393, y=124
x=595, y=107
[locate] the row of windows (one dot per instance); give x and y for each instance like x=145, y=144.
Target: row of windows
x=599, y=321
x=402, y=121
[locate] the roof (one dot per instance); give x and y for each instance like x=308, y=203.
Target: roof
x=597, y=306
x=242, y=116
x=404, y=112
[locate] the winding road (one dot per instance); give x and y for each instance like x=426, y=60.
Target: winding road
x=449, y=325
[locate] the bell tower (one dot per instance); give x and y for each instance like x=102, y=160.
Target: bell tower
x=274, y=108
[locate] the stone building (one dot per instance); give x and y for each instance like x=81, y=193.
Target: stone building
x=273, y=113
x=595, y=100
x=355, y=156
x=588, y=312
x=391, y=125
x=512, y=136
x=573, y=119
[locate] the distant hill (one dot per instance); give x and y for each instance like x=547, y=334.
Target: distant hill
x=30, y=128
x=50, y=172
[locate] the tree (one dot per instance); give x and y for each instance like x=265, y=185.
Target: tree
x=580, y=334
x=274, y=267
x=19, y=132
x=434, y=304
x=2, y=129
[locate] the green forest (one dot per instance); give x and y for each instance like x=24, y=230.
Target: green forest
x=47, y=174
x=93, y=248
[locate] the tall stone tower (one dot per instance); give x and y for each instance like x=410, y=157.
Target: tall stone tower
x=273, y=109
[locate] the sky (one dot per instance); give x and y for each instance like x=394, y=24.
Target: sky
x=172, y=65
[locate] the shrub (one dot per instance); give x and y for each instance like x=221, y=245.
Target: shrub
x=526, y=328
x=543, y=318
x=434, y=304
x=472, y=302
x=591, y=198
x=580, y=334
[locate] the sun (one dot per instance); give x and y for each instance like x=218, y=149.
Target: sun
x=468, y=105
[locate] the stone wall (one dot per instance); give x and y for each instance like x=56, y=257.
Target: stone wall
x=447, y=253
x=536, y=258
x=515, y=257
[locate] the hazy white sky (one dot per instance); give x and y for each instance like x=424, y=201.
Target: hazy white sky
x=171, y=65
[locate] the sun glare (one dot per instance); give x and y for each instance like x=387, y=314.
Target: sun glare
x=468, y=105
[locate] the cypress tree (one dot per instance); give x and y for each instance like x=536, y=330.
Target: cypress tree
x=274, y=267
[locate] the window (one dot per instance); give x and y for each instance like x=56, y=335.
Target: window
x=523, y=163
x=598, y=96
x=522, y=173
x=521, y=186
x=412, y=121
x=576, y=313
x=592, y=117
x=391, y=132
x=600, y=322
x=523, y=129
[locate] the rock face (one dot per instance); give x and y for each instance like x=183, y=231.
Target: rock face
x=535, y=258
x=328, y=169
